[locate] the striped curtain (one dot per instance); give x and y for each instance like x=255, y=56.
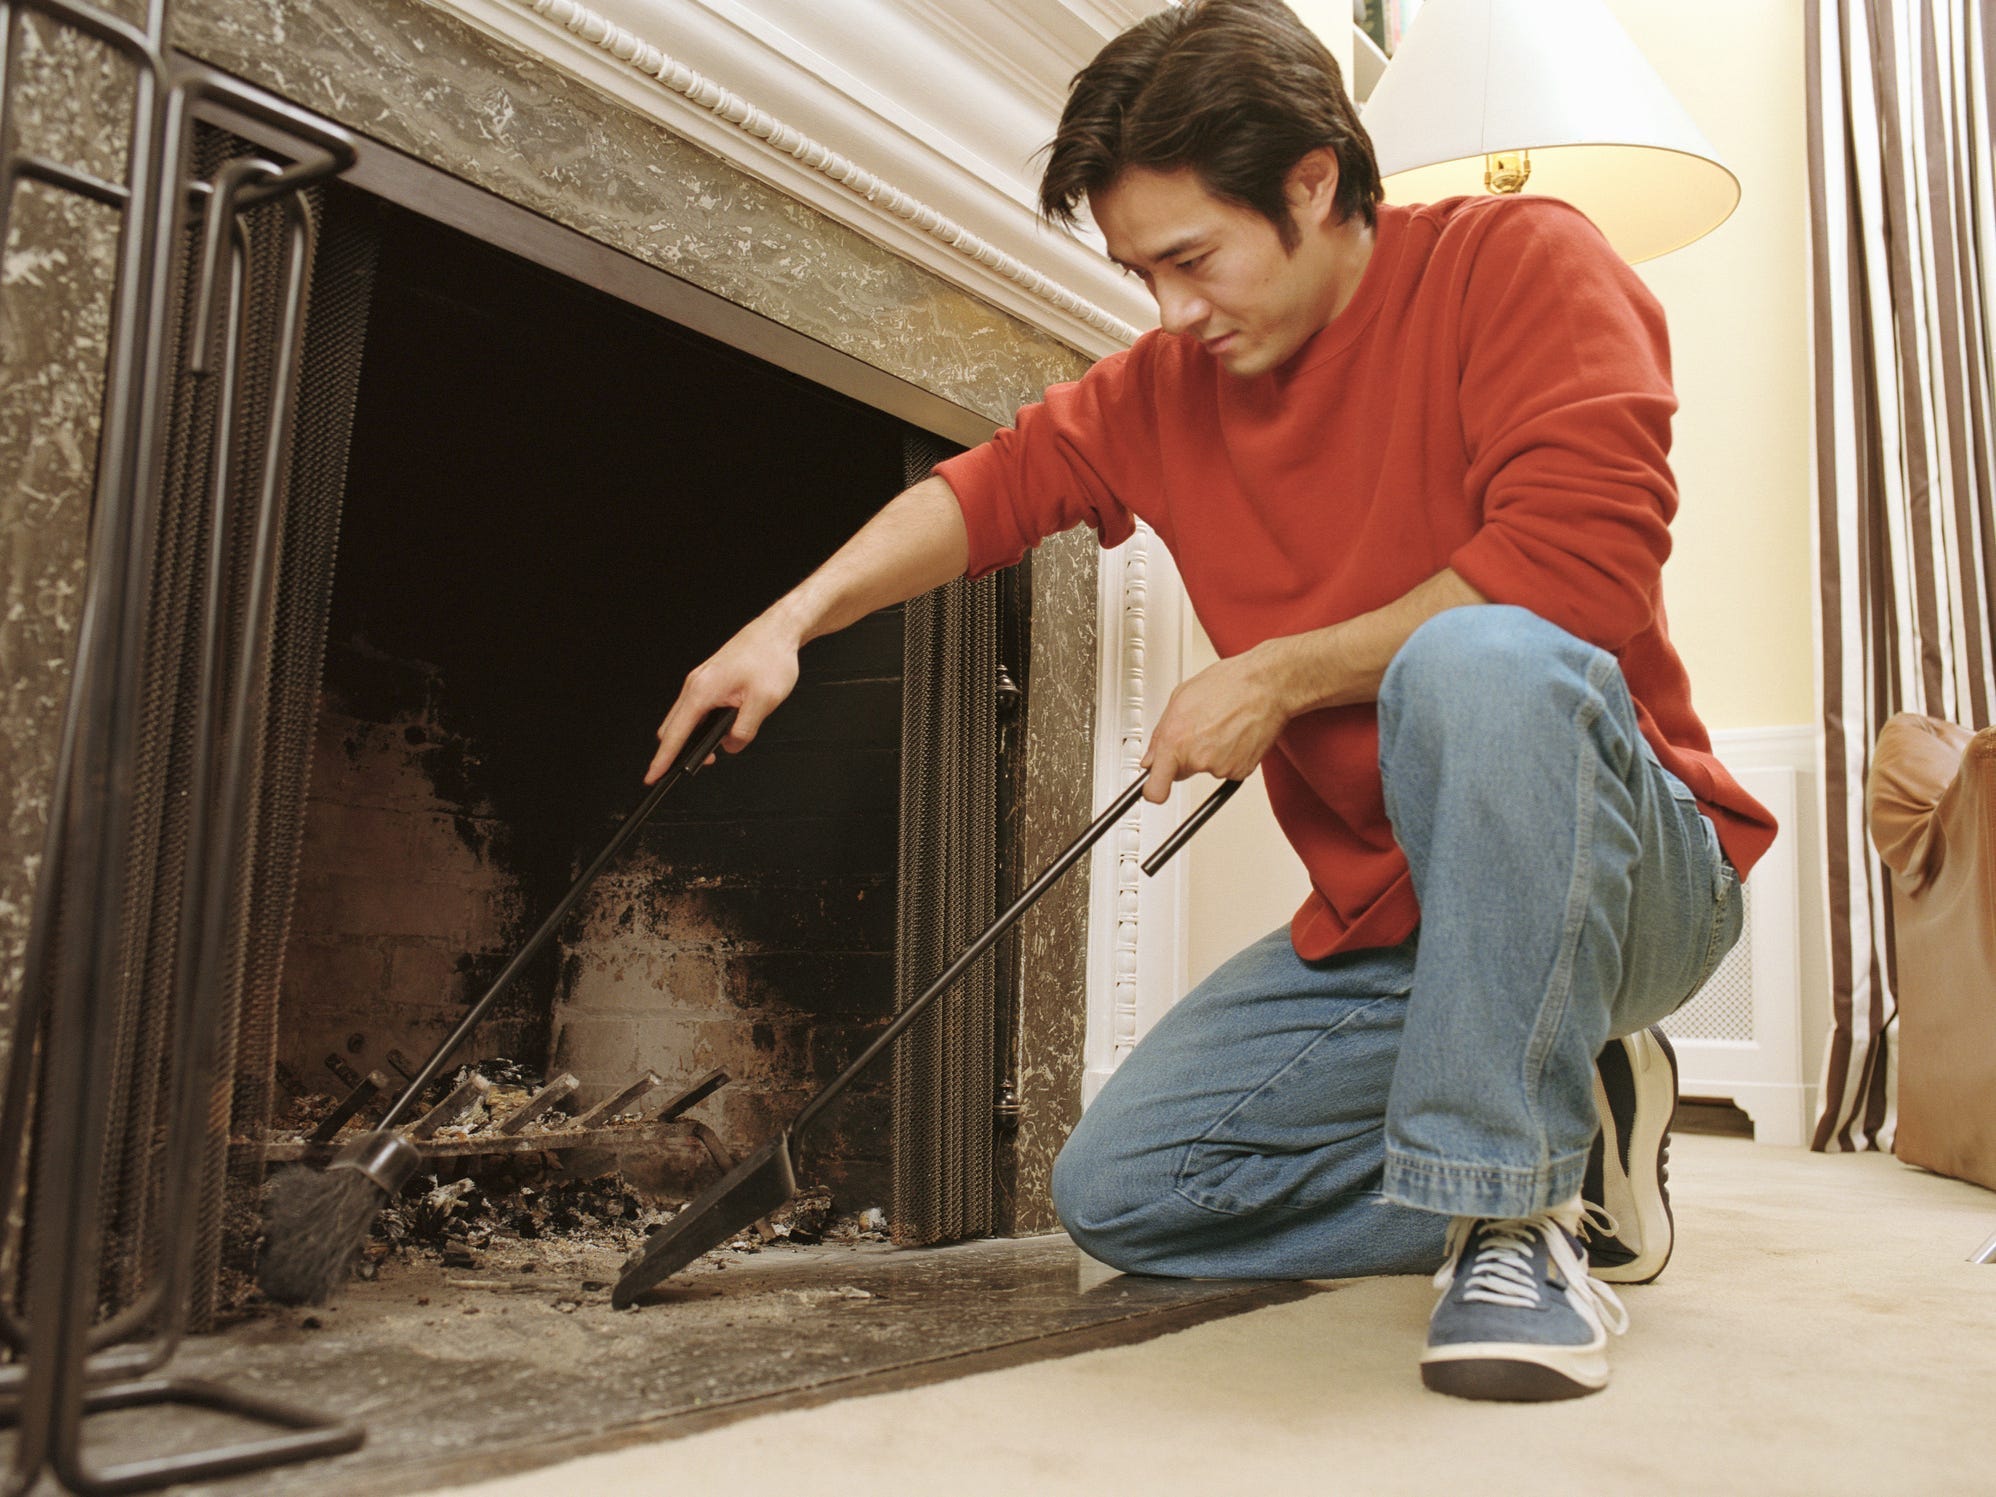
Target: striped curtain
x=1902, y=153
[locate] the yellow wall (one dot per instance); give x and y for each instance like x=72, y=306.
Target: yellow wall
x=1738, y=584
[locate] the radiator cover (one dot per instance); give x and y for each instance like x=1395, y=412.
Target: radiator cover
x=1739, y=1037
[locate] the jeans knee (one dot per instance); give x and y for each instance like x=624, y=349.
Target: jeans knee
x=1478, y=664
x=1487, y=643
x=1082, y=1192
x=1098, y=1207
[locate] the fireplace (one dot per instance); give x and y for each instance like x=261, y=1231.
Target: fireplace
x=520, y=510
x=531, y=484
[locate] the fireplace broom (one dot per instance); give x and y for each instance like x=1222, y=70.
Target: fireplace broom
x=768, y=1177
x=315, y=1221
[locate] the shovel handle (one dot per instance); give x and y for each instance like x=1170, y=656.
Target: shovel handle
x=1118, y=808
x=1190, y=825
x=706, y=738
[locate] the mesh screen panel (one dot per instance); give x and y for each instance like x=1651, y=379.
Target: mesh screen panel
x=157, y=875
x=946, y=1064
x=341, y=292
x=1723, y=1008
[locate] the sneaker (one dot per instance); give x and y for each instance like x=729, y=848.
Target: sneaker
x=1519, y=1318
x=1628, y=1174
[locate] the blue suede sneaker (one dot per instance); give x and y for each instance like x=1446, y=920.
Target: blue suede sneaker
x=1519, y=1318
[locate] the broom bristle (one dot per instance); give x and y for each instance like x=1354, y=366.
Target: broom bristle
x=315, y=1222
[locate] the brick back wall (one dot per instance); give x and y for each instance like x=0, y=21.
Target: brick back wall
x=751, y=927
x=406, y=906
x=754, y=928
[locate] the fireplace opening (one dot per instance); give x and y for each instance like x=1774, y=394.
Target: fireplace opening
x=555, y=504
x=555, y=507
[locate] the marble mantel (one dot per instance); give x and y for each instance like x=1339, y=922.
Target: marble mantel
x=917, y=122
x=424, y=80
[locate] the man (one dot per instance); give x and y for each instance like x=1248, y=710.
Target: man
x=1412, y=465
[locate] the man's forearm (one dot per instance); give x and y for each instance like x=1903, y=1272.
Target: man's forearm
x=917, y=542
x=1344, y=663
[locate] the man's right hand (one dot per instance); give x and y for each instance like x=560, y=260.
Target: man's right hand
x=753, y=673
x=916, y=543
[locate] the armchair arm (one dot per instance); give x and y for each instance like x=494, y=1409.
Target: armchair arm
x=1913, y=771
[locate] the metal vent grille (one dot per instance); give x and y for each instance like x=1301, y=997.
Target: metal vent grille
x=1723, y=1008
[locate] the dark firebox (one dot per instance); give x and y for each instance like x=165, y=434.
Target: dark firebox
x=555, y=507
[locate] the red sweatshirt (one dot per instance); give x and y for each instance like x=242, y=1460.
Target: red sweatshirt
x=1495, y=398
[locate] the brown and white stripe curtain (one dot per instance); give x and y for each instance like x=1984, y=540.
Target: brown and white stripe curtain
x=1902, y=152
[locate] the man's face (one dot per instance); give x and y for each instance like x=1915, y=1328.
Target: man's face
x=1219, y=271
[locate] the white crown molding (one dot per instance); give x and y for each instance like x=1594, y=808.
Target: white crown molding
x=877, y=113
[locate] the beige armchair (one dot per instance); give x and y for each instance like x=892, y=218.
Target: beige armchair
x=1931, y=805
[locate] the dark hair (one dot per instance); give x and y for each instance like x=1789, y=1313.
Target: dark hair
x=1237, y=90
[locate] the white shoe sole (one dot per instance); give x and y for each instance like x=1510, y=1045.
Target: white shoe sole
x=1643, y=1213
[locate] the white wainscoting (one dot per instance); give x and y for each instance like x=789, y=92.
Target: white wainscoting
x=1754, y=1034
x=1136, y=925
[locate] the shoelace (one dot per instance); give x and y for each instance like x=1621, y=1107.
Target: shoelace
x=1500, y=1273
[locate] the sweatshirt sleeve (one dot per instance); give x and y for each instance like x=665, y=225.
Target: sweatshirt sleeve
x=1067, y=459
x=1566, y=407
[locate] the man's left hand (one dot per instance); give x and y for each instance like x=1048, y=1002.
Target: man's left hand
x=1220, y=722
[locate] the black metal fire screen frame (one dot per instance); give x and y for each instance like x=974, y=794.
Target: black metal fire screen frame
x=68, y=1365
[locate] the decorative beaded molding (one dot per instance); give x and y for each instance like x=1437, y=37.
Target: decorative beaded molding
x=1131, y=728
x=642, y=57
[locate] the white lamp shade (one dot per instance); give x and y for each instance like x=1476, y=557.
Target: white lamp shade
x=1562, y=80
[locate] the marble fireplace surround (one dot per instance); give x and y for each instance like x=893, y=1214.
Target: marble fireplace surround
x=953, y=293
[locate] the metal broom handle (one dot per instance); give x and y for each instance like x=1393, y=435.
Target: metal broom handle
x=706, y=738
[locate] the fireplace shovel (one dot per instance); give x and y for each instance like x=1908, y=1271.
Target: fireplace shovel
x=316, y=1221
x=767, y=1179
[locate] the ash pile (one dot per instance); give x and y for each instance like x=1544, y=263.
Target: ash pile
x=514, y=1182
x=464, y=1220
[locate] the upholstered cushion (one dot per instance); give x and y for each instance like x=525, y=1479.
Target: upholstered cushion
x=1932, y=811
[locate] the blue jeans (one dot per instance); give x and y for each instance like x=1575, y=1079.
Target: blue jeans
x=1324, y=1119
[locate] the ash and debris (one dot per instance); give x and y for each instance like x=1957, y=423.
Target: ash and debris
x=459, y=1220
x=512, y=1085
x=522, y=1214
x=297, y=1115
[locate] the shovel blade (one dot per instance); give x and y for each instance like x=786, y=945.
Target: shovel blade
x=751, y=1190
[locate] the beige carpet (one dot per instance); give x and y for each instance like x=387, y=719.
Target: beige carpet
x=1819, y=1331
